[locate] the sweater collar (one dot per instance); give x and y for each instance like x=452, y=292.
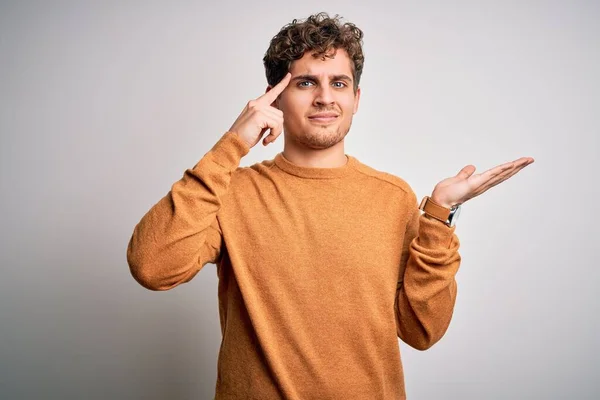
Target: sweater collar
x=313, y=172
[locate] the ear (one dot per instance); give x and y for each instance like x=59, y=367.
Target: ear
x=356, y=100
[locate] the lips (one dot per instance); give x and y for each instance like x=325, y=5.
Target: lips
x=323, y=117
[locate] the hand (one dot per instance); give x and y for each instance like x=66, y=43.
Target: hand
x=465, y=185
x=259, y=115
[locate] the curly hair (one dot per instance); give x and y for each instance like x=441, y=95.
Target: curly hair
x=320, y=34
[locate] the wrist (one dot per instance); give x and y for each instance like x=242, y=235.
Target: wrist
x=445, y=212
x=242, y=139
x=440, y=201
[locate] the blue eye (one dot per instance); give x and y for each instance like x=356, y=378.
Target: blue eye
x=302, y=83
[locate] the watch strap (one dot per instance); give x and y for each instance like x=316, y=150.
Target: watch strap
x=437, y=211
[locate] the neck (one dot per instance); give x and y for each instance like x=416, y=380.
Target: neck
x=303, y=156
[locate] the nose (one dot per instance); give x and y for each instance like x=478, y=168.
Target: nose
x=323, y=96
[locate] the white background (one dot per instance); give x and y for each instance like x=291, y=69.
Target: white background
x=104, y=105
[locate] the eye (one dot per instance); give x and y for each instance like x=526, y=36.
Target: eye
x=339, y=84
x=304, y=83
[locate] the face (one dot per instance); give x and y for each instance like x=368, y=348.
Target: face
x=319, y=102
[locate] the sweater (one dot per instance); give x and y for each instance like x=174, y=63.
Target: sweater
x=320, y=271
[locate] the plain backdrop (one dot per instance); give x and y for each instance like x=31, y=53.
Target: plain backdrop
x=103, y=105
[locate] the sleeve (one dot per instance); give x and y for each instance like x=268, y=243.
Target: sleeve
x=426, y=291
x=181, y=233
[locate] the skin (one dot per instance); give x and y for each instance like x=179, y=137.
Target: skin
x=317, y=86
x=467, y=185
x=324, y=85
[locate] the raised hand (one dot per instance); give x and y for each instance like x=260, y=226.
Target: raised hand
x=259, y=115
x=465, y=185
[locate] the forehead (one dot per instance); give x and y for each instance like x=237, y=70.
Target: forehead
x=338, y=64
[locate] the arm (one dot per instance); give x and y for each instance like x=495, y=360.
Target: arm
x=427, y=287
x=426, y=290
x=181, y=233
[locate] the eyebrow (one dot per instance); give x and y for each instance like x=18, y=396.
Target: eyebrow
x=340, y=77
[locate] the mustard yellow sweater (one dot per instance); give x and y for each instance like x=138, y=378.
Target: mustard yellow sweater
x=320, y=271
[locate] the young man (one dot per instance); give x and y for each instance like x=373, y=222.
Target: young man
x=323, y=262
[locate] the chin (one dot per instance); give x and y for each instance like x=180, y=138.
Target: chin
x=321, y=140
x=317, y=137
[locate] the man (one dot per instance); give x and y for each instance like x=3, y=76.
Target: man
x=323, y=262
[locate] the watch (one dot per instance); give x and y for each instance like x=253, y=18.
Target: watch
x=439, y=212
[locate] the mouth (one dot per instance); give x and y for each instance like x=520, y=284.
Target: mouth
x=323, y=118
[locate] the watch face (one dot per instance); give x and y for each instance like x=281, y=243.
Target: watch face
x=454, y=215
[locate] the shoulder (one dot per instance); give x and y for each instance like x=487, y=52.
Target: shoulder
x=250, y=172
x=386, y=179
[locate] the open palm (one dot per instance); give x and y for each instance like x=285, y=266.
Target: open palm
x=466, y=185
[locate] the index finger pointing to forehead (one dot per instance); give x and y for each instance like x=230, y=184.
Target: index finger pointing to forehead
x=276, y=90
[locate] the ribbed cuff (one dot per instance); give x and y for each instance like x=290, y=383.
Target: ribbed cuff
x=434, y=234
x=229, y=150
